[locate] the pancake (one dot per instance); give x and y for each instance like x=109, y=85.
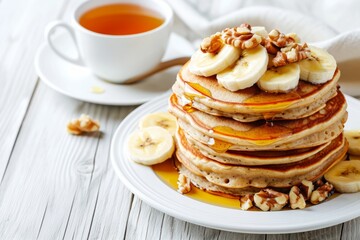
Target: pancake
x=253, y=102
x=313, y=130
x=294, y=113
x=253, y=158
x=202, y=183
x=311, y=140
x=278, y=176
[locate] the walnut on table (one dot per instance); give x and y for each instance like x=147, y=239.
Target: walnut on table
x=84, y=124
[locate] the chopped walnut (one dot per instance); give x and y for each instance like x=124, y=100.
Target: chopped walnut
x=321, y=193
x=184, y=184
x=212, y=44
x=297, y=200
x=278, y=39
x=318, y=183
x=84, y=124
x=268, y=199
x=286, y=48
x=241, y=37
x=246, y=202
x=294, y=37
x=294, y=52
x=306, y=187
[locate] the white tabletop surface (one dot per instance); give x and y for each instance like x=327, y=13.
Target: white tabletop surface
x=57, y=186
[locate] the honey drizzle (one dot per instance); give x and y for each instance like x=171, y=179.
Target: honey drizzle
x=268, y=133
x=200, y=89
x=167, y=172
x=189, y=108
x=220, y=146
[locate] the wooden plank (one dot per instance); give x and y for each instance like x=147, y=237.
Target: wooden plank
x=22, y=24
x=330, y=233
x=61, y=186
x=351, y=230
x=58, y=185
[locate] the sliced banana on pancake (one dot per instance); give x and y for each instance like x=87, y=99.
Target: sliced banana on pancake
x=280, y=79
x=208, y=64
x=319, y=68
x=246, y=71
x=345, y=176
x=353, y=137
x=151, y=145
x=160, y=119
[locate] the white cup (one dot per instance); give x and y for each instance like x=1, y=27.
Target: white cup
x=116, y=58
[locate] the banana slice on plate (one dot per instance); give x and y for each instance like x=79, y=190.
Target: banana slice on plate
x=353, y=137
x=280, y=79
x=246, y=71
x=160, y=119
x=345, y=176
x=319, y=68
x=151, y=145
x=208, y=64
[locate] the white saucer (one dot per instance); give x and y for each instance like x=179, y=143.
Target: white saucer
x=78, y=82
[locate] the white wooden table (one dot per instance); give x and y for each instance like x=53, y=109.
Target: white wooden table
x=57, y=186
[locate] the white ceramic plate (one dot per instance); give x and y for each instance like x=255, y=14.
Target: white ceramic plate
x=76, y=81
x=144, y=183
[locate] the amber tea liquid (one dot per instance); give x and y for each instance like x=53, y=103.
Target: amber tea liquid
x=120, y=19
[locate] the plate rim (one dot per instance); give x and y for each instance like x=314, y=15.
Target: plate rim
x=271, y=229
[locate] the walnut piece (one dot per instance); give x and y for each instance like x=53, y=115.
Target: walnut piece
x=306, y=188
x=212, y=44
x=84, y=124
x=297, y=200
x=246, y=202
x=286, y=48
x=321, y=193
x=184, y=184
x=241, y=37
x=270, y=200
x=294, y=52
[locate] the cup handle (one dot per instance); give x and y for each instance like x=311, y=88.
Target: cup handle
x=49, y=31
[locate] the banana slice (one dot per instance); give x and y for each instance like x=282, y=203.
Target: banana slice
x=259, y=30
x=345, y=176
x=353, y=137
x=319, y=68
x=280, y=79
x=151, y=145
x=160, y=119
x=208, y=64
x=246, y=71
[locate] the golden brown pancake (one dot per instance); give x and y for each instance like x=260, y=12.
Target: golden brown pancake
x=252, y=103
x=242, y=176
x=252, y=158
x=314, y=130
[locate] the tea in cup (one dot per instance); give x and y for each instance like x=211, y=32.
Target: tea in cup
x=117, y=40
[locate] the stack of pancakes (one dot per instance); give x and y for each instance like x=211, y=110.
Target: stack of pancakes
x=235, y=143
